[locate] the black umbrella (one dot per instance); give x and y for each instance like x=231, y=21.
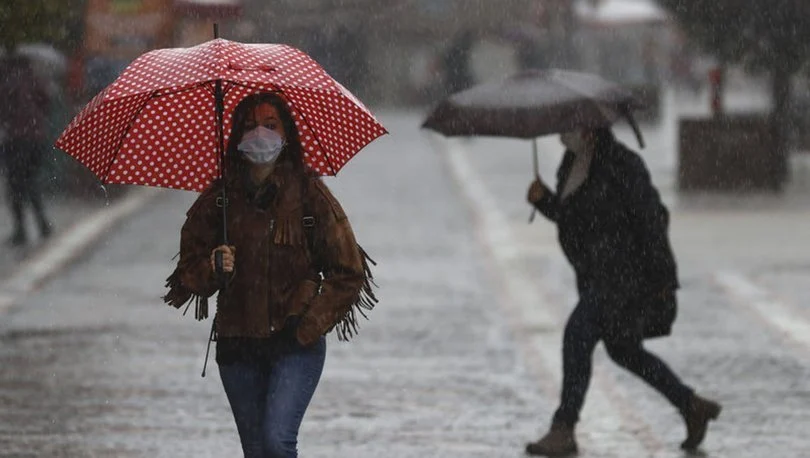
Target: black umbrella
x=534, y=103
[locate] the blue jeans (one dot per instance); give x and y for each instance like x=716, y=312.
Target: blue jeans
x=269, y=400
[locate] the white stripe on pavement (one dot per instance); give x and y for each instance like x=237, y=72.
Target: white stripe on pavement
x=67, y=246
x=785, y=318
x=538, y=326
x=494, y=228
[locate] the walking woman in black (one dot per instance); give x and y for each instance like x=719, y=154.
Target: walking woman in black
x=613, y=230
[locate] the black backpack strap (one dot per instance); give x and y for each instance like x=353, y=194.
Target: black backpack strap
x=347, y=327
x=309, y=222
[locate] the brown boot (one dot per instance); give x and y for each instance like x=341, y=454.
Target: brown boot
x=697, y=415
x=559, y=441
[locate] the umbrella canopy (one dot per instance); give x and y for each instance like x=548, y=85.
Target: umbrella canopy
x=157, y=124
x=532, y=104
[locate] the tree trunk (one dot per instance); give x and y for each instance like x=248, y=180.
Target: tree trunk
x=780, y=87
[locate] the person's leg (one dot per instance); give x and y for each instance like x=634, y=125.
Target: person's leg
x=246, y=387
x=631, y=355
x=582, y=333
x=35, y=197
x=33, y=189
x=16, y=190
x=18, y=236
x=291, y=386
x=579, y=341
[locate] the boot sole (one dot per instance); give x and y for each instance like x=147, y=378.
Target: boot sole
x=558, y=454
x=554, y=455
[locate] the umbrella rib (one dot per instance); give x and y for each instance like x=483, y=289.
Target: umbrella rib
x=158, y=93
x=228, y=86
x=248, y=86
x=279, y=88
x=325, y=153
x=153, y=95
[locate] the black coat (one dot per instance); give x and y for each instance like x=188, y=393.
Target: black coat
x=613, y=230
x=24, y=107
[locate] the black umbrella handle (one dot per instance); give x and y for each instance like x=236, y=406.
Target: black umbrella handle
x=220, y=276
x=536, y=164
x=219, y=264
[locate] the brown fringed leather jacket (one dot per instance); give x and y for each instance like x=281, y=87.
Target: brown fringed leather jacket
x=295, y=257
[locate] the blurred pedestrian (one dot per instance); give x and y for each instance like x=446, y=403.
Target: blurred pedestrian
x=613, y=229
x=292, y=272
x=24, y=113
x=456, y=62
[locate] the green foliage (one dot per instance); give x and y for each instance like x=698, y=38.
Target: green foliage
x=50, y=21
x=763, y=34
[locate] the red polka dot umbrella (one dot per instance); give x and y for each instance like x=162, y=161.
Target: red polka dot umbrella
x=157, y=124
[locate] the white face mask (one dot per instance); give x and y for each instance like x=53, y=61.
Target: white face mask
x=576, y=142
x=261, y=145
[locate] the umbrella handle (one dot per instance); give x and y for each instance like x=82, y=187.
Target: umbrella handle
x=219, y=270
x=218, y=264
x=536, y=173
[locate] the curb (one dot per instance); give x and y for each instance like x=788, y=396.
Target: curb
x=67, y=246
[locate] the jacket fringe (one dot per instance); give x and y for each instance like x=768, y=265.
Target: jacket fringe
x=179, y=295
x=347, y=327
x=289, y=232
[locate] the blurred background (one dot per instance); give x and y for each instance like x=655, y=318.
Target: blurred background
x=410, y=53
x=393, y=52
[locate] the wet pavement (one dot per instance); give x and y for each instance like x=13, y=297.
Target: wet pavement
x=63, y=212
x=461, y=358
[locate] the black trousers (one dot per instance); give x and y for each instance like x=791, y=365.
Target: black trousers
x=22, y=159
x=585, y=328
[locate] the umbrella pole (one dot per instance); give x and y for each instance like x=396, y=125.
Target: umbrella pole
x=221, y=146
x=536, y=173
x=220, y=109
x=219, y=106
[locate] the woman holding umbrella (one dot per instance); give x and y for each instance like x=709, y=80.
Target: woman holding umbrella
x=290, y=273
x=613, y=227
x=265, y=235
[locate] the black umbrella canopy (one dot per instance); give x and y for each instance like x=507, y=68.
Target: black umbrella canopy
x=532, y=104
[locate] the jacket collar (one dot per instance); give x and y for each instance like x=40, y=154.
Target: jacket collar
x=267, y=193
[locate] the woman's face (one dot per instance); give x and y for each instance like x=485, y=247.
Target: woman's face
x=578, y=141
x=267, y=116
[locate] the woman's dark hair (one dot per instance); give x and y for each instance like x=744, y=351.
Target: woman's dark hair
x=292, y=151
